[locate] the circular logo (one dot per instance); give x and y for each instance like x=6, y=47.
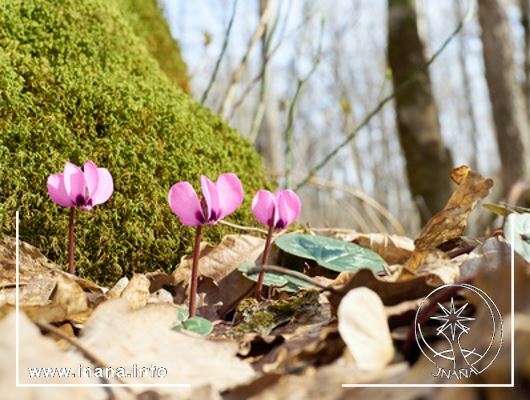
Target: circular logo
x=456, y=357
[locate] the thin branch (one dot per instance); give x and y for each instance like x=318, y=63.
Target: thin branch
x=271, y=53
x=290, y=114
x=238, y=73
x=387, y=99
x=318, y=182
x=289, y=272
x=221, y=54
x=260, y=108
x=243, y=228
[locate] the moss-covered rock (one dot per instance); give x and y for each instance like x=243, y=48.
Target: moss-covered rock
x=77, y=83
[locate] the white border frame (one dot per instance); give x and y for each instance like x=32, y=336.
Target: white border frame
x=17, y=342
x=479, y=385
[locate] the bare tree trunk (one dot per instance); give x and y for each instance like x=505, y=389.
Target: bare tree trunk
x=509, y=116
x=427, y=158
x=525, y=22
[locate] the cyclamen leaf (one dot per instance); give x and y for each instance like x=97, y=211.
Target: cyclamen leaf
x=198, y=325
x=336, y=255
x=182, y=314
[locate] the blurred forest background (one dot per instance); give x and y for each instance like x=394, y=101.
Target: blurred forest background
x=301, y=77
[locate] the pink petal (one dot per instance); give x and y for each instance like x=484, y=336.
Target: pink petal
x=211, y=198
x=230, y=194
x=91, y=177
x=104, y=188
x=185, y=203
x=263, y=207
x=57, y=191
x=74, y=183
x=289, y=206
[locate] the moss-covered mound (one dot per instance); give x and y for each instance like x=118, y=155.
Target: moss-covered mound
x=77, y=83
x=148, y=23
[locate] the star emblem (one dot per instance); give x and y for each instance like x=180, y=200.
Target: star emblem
x=452, y=319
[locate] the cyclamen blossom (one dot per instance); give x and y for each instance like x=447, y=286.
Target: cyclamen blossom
x=219, y=199
x=78, y=188
x=276, y=210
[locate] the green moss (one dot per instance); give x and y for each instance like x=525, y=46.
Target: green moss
x=303, y=307
x=148, y=23
x=76, y=83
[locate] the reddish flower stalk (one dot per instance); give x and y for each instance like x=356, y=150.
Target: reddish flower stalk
x=71, y=267
x=264, y=261
x=277, y=211
x=195, y=272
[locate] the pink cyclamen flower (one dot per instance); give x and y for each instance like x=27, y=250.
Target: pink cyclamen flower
x=276, y=210
x=219, y=199
x=78, y=188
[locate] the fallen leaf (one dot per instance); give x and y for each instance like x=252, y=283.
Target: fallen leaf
x=118, y=336
x=363, y=327
x=137, y=291
x=37, y=351
x=437, y=267
x=390, y=292
x=451, y=222
x=220, y=281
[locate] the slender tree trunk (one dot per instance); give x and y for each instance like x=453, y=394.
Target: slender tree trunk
x=509, y=116
x=525, y=22
x=427, y=158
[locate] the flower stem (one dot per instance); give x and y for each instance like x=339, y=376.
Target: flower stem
x=71, y=268
x=264, y=261
x=195, y=272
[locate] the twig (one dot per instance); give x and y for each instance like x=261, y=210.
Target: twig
x=260, y=108
x=238, y=73
x=290, y=115
x=318, y=182
x=221, y=54
x=291, y=273
x=243, y=228
x=270, y=54
x=387, y=99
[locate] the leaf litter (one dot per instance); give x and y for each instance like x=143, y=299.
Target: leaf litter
x=318, y=328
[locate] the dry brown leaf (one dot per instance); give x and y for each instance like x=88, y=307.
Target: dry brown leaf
x=64, y=301
x=38, y=351
x=437, y=268
x=123, y=337
x=364, y=329
x=451, y=222
x=137, y=291
x=322, y=383
x=118, y=288
x=221, y=283
x=390, y=292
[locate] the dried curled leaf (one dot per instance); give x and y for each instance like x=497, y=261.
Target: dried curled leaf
x=451, y=222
